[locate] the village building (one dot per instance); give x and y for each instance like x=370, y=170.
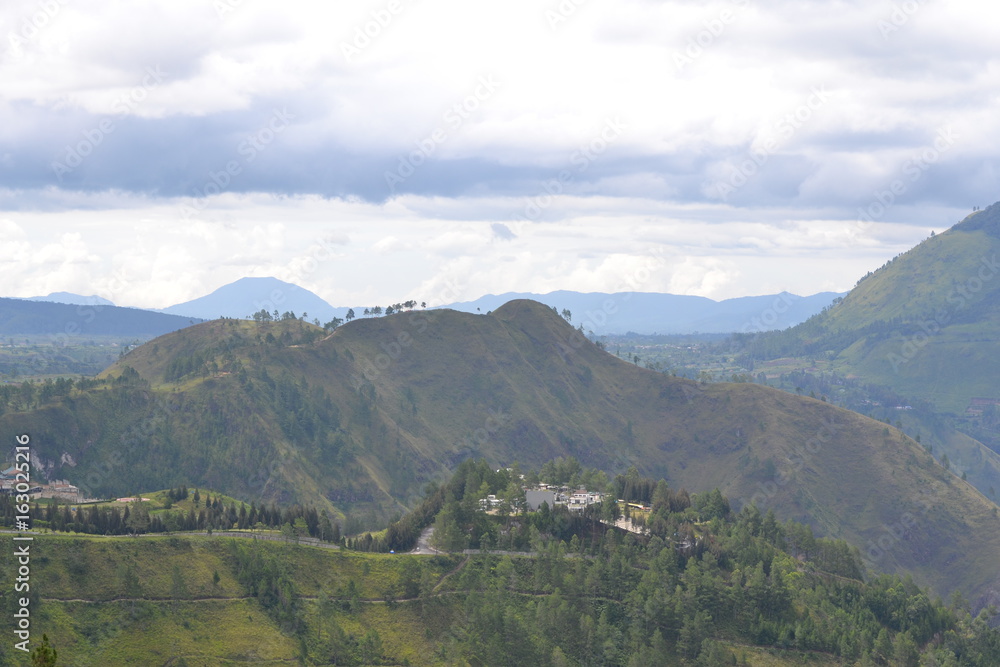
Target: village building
x=535, y=497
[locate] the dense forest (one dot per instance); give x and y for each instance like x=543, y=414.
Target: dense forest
x=133, y=518
x=701, y=585
x=692, y=583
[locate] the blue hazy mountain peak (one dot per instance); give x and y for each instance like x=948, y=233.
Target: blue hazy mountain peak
x=242, y=298
x=72, y=299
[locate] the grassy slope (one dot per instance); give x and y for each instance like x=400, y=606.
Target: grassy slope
x=100, y=618
x=96, y=617
x=960, y=359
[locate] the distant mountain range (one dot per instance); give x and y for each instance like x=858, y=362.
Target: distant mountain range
x=648, y=312
x=602, y=313
x=28, y=317
x=73, y=299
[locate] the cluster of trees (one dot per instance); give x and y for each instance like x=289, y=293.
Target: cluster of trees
x=568, y=472
x=181, y=493
x=30, y=395
x=135, y=518
x=182, y=366
x=306, y=414
x=269, y=579
x=375, y=311
x=263, y=316
x=566, y=314
x=472, y=481
x=33, y=395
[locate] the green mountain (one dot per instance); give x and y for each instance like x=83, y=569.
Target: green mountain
x=941, y=301
x=358, y=421
x=927, y=323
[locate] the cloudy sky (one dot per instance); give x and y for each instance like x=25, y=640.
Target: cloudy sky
x=390, y=149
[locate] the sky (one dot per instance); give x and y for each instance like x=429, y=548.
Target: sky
x=440, y=150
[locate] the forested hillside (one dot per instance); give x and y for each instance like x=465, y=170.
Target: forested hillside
x=705, y=586
x=356, y=422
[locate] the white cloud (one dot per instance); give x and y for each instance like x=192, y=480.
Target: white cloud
x=687, y=125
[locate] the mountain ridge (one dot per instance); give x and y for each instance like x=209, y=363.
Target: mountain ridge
x=359, y=420
x=663, y=313
x=602, y=313
x=63, y=321
x=73, y=299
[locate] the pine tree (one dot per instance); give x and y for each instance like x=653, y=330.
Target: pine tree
x=44, y=655
x=883, y=646
x=905, y=652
